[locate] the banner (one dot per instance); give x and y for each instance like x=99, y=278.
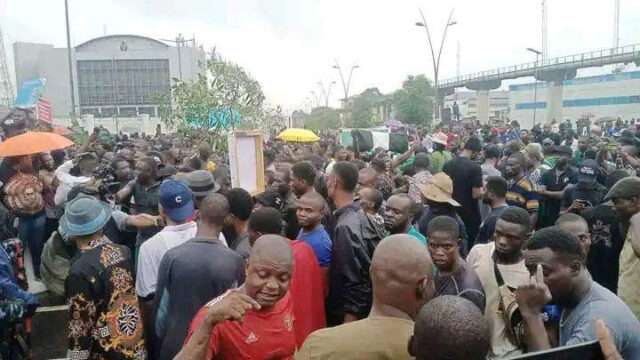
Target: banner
x=29, y=93
x=45, y=111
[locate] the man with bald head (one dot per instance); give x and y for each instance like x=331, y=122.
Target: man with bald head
x=254, y=321
x=193, y=273
x=402, y=278
x=450, y=327
x=367, y=178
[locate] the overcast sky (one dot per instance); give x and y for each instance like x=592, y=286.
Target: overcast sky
x=290, y=45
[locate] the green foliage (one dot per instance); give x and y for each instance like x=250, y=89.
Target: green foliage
x=78, y=134
x=413, y=104
x=225, y=86
x=322, y=118
x=364, y=109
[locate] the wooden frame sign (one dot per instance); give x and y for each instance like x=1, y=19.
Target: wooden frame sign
x=246, y=161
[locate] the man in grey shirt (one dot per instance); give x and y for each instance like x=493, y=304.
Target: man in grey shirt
x=556, y=261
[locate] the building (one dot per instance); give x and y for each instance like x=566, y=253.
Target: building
x=115, y=76
x=610, y=95
x=468, y=104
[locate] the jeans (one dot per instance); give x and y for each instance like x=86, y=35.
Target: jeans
x=31, y=232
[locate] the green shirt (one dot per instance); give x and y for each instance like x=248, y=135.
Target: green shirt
x=438, y=159
x=416, y=234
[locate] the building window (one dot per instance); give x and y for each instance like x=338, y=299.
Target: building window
x=122, y=82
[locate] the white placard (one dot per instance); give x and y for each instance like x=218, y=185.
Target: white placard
x=246, y=161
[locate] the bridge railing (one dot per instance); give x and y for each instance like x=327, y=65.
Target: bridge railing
x=590, y=57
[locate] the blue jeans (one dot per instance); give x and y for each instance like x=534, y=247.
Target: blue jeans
x=31, y=232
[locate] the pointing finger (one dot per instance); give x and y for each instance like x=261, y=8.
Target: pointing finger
x=539, y=275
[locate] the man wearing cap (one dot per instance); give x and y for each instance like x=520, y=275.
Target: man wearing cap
x=440, y=155
x=625, y=195
x=105, y=318
x=176, y=209
x=437, y=196
x=587, y=192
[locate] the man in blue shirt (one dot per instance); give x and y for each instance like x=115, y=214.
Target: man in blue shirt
x=310, y=211
x=556, y=261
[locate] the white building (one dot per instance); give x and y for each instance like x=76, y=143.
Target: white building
x=468, y=104
x=115, y=76
x=610, y=95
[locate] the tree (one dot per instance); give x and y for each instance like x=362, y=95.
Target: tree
x=322, y=118
x=224, y=88
x=413, y=104
x=364, y=109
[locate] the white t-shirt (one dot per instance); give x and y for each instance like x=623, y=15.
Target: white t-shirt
x=152, y=251
x=480, y=258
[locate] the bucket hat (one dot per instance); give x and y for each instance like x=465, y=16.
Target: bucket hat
x=440, y=189
x=83, y=216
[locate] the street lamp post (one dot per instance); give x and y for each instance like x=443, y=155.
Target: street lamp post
x=436, y=60
x=345, y=84
x=326, y=93
x=535, y=82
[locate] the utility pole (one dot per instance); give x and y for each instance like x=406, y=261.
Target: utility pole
x=535, y=84
x=436, y=60
x=180, y=41
x=71, y=86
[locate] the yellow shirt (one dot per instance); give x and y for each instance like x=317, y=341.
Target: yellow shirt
x=629, y=279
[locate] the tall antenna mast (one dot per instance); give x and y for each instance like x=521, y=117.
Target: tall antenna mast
x=616, y=24
x=6, y=89
x=545, y=44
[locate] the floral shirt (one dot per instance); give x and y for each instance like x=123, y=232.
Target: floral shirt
x=104, y=315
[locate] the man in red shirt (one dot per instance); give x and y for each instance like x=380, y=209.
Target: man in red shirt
x=307, y=281
x=254, y=321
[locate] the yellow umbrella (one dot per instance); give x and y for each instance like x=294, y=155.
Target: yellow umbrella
x=298, y=135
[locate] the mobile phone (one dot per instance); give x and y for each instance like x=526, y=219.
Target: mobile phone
x=586, y=351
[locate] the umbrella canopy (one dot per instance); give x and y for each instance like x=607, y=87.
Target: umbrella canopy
x=298, y=135
x=32, y=143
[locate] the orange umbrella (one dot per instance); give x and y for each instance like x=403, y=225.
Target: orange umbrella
x=33, y=142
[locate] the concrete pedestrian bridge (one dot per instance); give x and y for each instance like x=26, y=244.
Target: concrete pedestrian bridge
x=553, y=71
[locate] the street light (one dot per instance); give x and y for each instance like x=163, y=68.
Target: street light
x=436, y=60
x=326, y=93
x=345, y=85
x=535, y=82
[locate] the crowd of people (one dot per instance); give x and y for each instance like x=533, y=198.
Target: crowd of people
x=475, y=243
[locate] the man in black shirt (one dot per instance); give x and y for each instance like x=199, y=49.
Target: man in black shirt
x=606, y=239
x=495, y=196
x=588, y=192
x=553, y=183
x=350, y=285
x=192, y=274
x=467, y=185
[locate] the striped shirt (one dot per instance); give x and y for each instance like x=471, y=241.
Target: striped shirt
x=522, y=193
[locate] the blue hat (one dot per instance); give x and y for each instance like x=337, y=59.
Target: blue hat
x=588, y=171
x=176, y=200
x=84, y=215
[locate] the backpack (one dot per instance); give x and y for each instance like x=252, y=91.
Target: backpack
x=23, y=194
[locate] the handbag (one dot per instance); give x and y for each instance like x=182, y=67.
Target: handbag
x=508, y=308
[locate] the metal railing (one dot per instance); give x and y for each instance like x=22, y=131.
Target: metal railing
x=592, y=58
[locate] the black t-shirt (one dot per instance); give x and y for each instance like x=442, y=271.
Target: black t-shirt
x=489, y=225
x=189, y=276
x=550, y=208
x=606, y=244
x=466, y=175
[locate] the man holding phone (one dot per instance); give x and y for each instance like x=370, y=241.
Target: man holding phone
x=588, y=192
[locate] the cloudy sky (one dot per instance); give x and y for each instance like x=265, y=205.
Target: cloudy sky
x=290, y=45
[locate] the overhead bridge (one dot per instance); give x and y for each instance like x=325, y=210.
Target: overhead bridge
x=553, y=70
